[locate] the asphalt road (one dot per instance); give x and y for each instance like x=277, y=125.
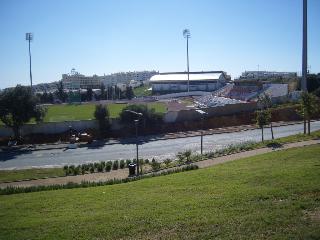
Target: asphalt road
x=158, y=149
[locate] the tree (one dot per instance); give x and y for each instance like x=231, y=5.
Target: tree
x=61, y=95
x=89, y=94
x=103, y=92
x=129, y=92
x=101, y=114
x=18, y=106
x=149, y=116
x=266, y=104
x=262, y=119
x=308, y=107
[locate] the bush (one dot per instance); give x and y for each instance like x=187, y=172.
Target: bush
x=147, y=161
x=100, y=167
x=155, y=165
x=76, y=170
x=122, y=164
x=115, y=165
x=91, y=169
x=66, y=169
x=128, y=161
x=167, y=162
x=108, y=166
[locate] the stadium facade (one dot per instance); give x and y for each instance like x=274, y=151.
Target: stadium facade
x=173, y=82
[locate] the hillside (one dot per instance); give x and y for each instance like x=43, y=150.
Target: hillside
x=271, y=196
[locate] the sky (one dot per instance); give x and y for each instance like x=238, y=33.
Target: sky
x=108, y=36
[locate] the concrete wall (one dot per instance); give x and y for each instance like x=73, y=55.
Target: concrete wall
x=58, y=127
x=170, y=117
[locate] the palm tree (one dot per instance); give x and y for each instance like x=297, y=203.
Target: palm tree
x=266, y=104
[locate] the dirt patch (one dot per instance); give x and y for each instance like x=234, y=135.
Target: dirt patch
x=314, y=215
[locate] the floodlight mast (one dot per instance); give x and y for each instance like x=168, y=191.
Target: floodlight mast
x=187, y=35
x=29, y=38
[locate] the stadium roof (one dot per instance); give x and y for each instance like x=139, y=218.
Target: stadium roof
x=193, y=76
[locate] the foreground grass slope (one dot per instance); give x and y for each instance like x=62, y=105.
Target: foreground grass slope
x=271, y=196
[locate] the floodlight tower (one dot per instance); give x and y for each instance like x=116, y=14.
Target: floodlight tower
x=29, y=38
x=304, y=47
x=187, y=35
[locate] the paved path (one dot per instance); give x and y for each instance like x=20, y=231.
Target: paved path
x=123, y=173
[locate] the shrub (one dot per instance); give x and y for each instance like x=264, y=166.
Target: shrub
x=103, y=164
x=167, y=162
x=147, y=161
x=96, y=165
x=91, y=169
x=155, y=165
x=115, y=165
x=128, y=161
x=108, y=166
x=66, y=169
x=76, y=170
x=122, y=164
x=100, y=167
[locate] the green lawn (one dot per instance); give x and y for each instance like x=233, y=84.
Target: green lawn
x=271, y=196
x=13, y=175
x=57, y=113
x=142, y=91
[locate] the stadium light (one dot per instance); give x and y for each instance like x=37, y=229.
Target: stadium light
x=203, y=113
x=187, y=35
x=29, y=38
x=136, y=123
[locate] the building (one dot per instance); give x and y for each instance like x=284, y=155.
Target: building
x=126, y=77
x=178, y=81
x=267, y=75
x=75, y=80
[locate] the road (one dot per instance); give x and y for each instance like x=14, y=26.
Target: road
x=160, y=149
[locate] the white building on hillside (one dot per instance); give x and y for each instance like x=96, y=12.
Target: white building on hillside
x=178, y=81
x=75, y=80
x=267, y=75
x=126, y=77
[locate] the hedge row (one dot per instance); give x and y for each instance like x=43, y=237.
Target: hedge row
x=85, y=184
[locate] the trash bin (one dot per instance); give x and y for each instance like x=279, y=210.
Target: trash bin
x=132, y=169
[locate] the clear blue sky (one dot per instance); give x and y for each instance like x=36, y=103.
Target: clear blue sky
x=106, y=36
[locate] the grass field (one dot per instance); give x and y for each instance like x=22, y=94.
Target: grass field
x=271, y=196
x=13, y=175
x=142, y=91
x=57, y=113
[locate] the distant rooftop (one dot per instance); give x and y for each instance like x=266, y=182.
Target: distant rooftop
x=193, y=76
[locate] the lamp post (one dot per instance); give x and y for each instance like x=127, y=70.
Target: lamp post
x=202, y=116
x=136, y=123
x=187, y=35
x=29, y=38
x=304, y=48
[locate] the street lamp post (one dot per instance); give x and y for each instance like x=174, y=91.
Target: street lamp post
x=29, y=38
x=202, y=117
x=304, y=48
x=136, y=123
x=187, y=35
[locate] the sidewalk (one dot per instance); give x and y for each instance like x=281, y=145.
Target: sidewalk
x=147, y=138
x=123, y=173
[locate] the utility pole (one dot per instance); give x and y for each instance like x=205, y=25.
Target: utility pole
x=304, y=47
x=29, y=38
